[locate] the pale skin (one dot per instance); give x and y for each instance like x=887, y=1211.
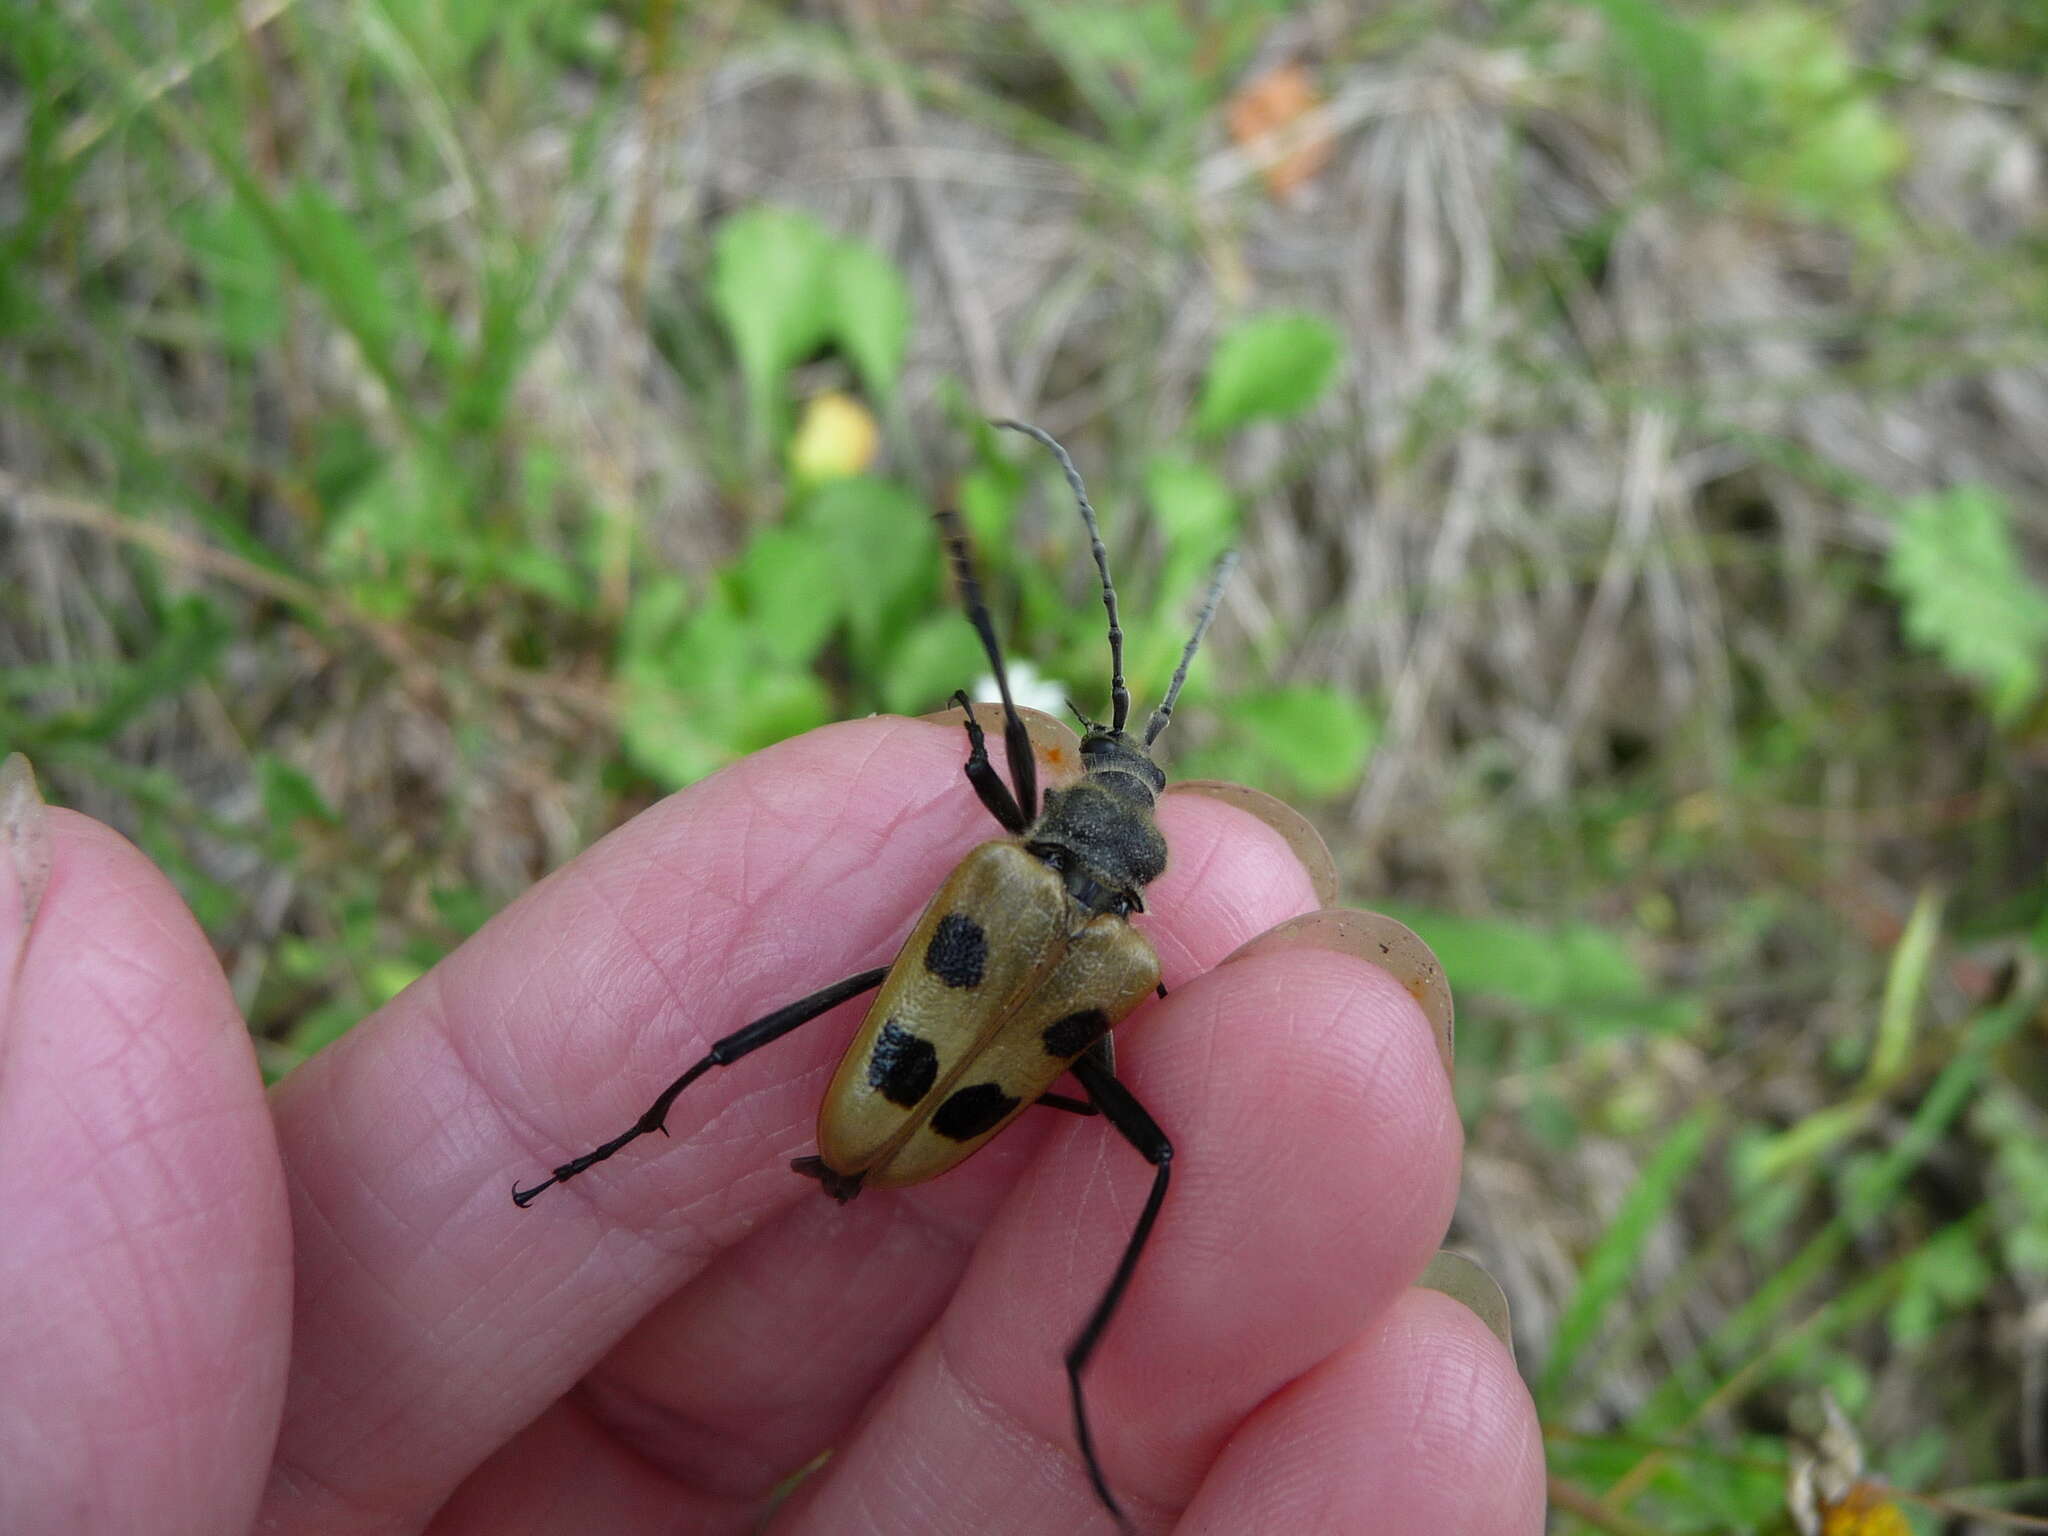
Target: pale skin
x=321, y=1312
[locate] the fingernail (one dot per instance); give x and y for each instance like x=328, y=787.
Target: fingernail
x=1377, y=938
x=24, y=857
x=1295, y=829
x=1053, y=742
x=1469, y=1285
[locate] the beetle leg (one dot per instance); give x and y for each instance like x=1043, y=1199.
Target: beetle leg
x=840, y=1186
x=1102, y=1051
x=722, y=1053
x=981, y=773
x=1142, y=1132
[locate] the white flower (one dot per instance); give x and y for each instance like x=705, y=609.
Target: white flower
x=1028, y=686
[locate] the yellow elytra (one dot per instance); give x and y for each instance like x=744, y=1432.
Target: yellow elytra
x=966, y=1034
x=1016, y=973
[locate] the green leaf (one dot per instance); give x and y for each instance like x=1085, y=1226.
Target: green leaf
x=385, y=979
x=408, y=509
x=1274, y=365
x=1137, y=65
x=1669, y=57
x=1968, y=598
x=1836, y=168
x=699, y=686
x=935, y=657
x=1191, y=503
x=987, y=498
x=678, y=720
x=879, y=548
x=239, y=264
x=1518, y=961
x=778, y=705
x=870, y=313
x=1814, y=133
x=769, y=287
x=1947, y=1275
x=1200, y=518
x=290, y=795
x=791, y=594
x=783, y=286
x=1317, y=736
x=1576, y=968
x=463, y=908
x=344, y=269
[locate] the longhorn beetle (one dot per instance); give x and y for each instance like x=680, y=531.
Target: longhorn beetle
x=1016, y=973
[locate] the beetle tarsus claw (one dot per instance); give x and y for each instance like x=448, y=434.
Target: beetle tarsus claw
x=840, y=1186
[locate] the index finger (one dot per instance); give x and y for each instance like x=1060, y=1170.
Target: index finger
x=433, y=1319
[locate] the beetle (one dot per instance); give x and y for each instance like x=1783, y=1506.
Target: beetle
x=1015, y=974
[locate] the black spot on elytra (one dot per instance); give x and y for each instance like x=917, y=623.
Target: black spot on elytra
x=971, y=1111
x=958, y=952
x=1075, y=1033
x=904, y=1066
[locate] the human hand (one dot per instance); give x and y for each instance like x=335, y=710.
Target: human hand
x=347, y=1323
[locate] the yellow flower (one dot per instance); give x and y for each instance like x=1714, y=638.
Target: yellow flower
x=1864, y=1511
x=835, y=438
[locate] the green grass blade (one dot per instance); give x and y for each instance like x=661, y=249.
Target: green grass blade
x=1618, y=1254
x=1904, y=984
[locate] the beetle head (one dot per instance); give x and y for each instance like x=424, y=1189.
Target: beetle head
x=1111, y=756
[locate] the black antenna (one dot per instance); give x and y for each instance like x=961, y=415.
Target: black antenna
x=1164, y=713
x=1016, y=739
x=1119, y=694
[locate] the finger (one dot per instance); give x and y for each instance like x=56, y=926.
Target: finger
x=568, y=1473
x=1229, y=878
x=1314, y=1171
x=1293, y=828
x=1422, y=1424
x=144, y=1276
x=432, y=1311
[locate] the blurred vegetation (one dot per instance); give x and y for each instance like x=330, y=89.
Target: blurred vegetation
x=433, y=429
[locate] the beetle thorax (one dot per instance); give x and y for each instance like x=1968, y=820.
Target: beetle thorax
x=1099, y=833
